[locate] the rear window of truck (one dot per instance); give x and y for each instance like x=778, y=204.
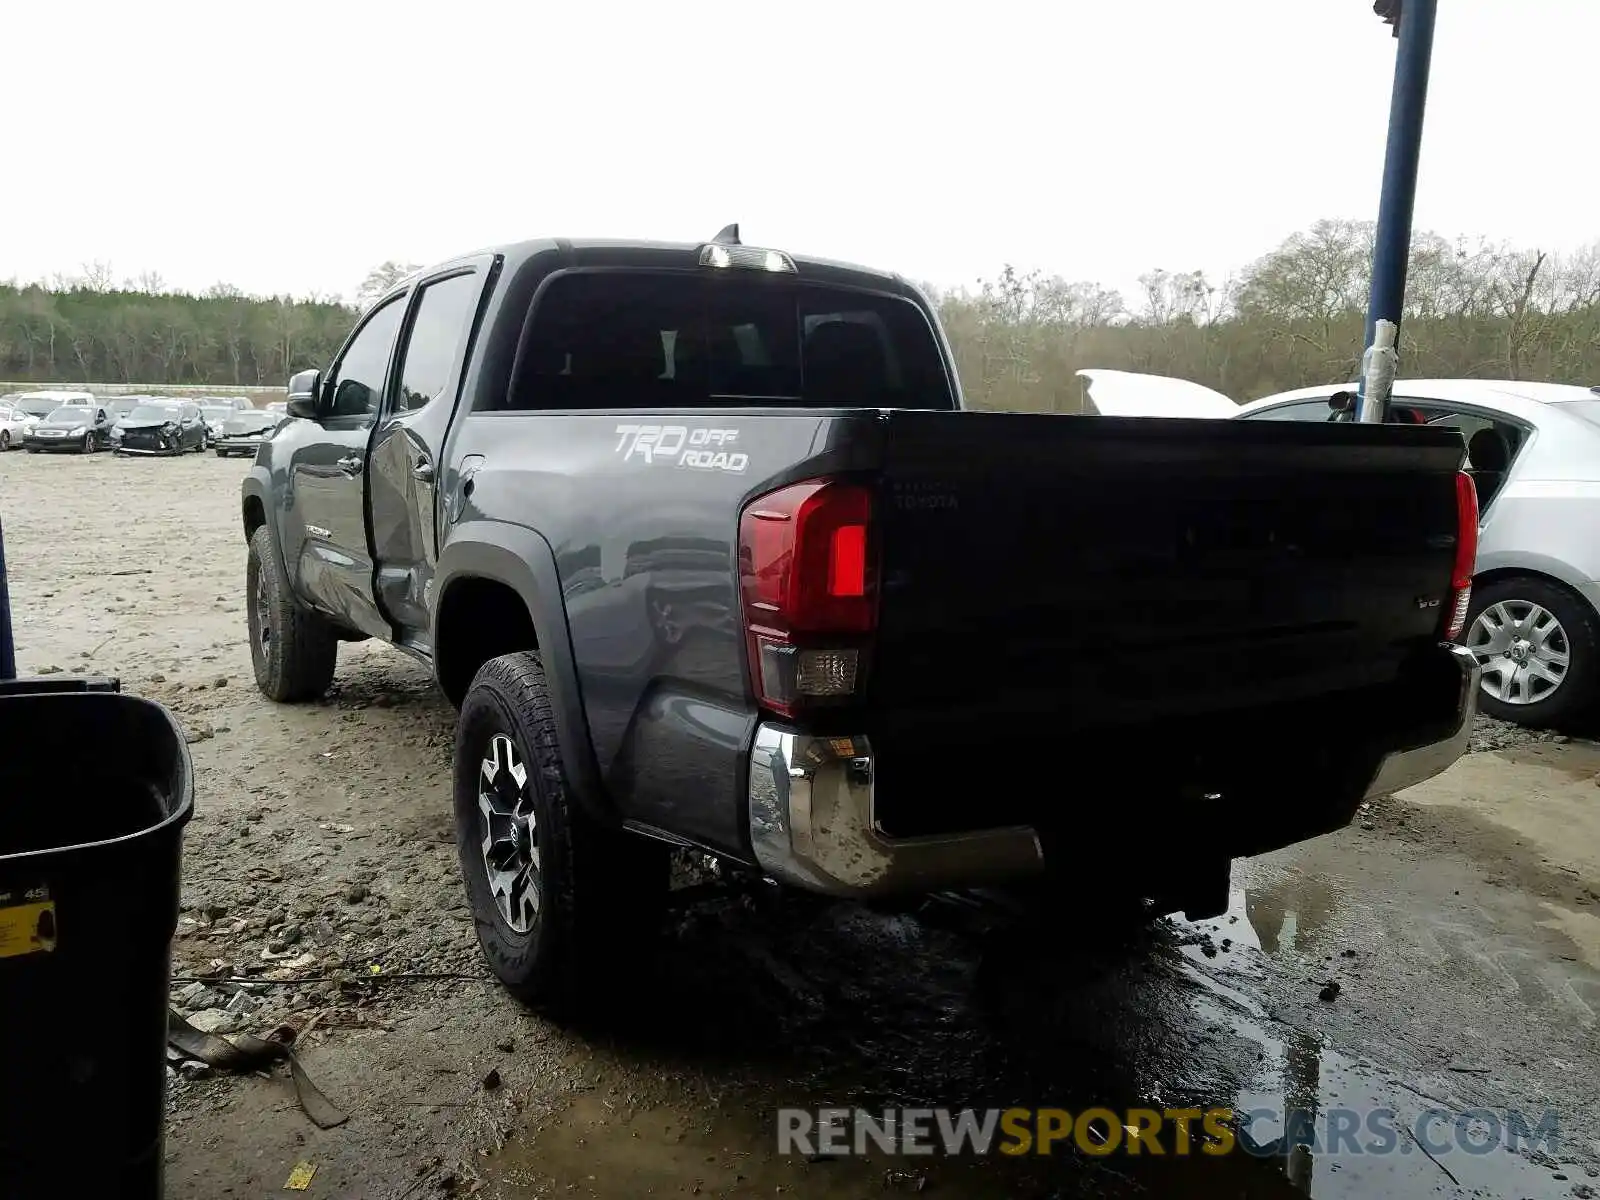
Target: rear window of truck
x=620, y=339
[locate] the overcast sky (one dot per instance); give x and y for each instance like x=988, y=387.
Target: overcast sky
x=290, y=146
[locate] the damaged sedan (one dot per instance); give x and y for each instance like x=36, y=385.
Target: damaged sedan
x=162, y=429
x=243, y=431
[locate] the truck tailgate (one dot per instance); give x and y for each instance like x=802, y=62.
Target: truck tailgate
x=1068, y=572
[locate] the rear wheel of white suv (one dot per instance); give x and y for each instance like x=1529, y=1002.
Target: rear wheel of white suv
x=1538, y=645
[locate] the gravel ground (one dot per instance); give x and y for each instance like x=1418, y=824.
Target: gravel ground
x=321, y=892
x=1490, y=734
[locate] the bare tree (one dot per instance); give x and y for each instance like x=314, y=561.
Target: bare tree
x=97, y=277
x=380, y=279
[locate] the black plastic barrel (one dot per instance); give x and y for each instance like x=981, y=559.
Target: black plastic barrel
x=95, y=789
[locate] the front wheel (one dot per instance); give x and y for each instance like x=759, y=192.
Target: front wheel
x=5, y=440
x=563, y=906
x=1538, y=645
x=292, y=649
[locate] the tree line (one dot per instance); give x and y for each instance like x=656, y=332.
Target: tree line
x=1292, y=318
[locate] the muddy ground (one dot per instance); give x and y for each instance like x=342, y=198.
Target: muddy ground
x=1461, y=922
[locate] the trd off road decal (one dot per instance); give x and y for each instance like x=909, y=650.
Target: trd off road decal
x=696, y=448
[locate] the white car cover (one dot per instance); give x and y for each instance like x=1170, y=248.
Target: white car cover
x=1130, y=394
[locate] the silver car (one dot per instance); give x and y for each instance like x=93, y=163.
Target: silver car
x=1534, y=451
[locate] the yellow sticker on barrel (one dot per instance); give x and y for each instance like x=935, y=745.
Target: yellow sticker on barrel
x=27, y=923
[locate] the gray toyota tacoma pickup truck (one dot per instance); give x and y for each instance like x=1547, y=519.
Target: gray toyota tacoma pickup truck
x=705, y=548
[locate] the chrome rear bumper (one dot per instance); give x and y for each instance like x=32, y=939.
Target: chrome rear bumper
x=812, y=825
x=812, y=821
x=1402, y=768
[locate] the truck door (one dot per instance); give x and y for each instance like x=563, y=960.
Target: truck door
x=327, y=518
x=403, y=479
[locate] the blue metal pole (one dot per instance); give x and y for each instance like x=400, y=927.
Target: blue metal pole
x=1392, y=246
x=8, y=656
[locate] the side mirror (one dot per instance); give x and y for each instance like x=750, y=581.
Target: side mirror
x=305, y=389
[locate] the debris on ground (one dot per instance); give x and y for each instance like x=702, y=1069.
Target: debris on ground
x=300, y=1178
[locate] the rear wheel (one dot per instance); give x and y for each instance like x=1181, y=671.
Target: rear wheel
x=292, y=649
x=1538, y=645
x=565, y=909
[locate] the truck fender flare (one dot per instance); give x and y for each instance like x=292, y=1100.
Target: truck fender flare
x=257, y=485
x=522, y=560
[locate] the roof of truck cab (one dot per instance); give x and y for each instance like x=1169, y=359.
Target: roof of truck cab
x=640, y=252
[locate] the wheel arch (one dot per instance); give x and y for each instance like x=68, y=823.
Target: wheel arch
x=496, y=592
x=1563, y=581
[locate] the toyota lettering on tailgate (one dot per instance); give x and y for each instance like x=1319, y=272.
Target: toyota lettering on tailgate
x=694, y=447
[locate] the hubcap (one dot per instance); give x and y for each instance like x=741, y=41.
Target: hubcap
x=510, y=833
x=1523, y=651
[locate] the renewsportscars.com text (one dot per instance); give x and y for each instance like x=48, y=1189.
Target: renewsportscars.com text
x=1177, y=1131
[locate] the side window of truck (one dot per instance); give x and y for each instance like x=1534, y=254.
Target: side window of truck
x=359, y=374
x=443, y=314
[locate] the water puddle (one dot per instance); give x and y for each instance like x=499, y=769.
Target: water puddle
x=842, y=1006
x=1345, y=1128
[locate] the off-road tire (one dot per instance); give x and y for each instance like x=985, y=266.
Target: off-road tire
x=601, y=891
x=295, y=662
x=1580, y=688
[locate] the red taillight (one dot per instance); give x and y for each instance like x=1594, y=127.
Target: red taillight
x=1466, y=556
x=810, y=597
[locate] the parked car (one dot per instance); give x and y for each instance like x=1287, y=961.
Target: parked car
x=278, y=406
x=702, y=543
x=1533, y=450
x=41, y=404
x=232, y=403
x=243, y=432
x=80, y=427
x=14, y=425
x=162, y=429
x=216, y=414
x=146, y=402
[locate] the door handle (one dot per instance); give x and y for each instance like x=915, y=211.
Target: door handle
x=352, y=464
x=423, y=472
